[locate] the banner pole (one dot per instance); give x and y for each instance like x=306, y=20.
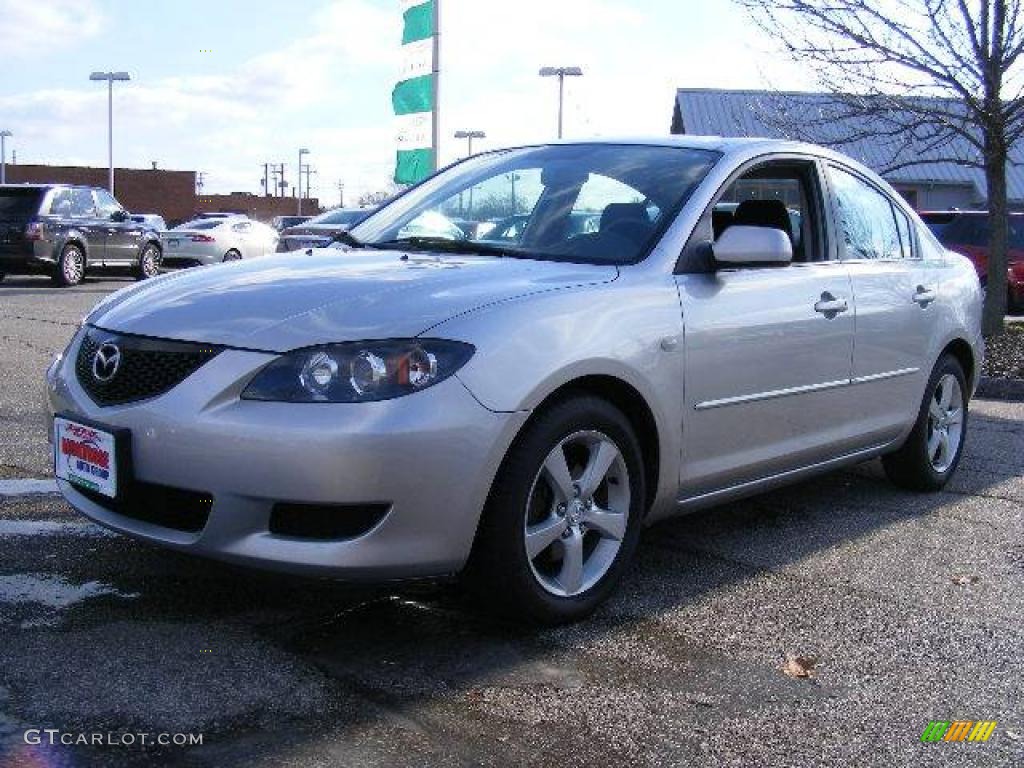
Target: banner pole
x=437, y=85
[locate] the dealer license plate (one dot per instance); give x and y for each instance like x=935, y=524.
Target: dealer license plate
x=85, y=456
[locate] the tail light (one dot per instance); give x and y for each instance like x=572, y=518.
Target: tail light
x=34, y=231
x=201, y=239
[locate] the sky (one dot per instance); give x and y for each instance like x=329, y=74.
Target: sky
x=223, y=87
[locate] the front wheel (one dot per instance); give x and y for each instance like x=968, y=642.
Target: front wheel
x=149, y=263
x=564, y=516
x=932, y=451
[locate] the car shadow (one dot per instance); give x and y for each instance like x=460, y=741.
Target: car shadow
x=391, y=649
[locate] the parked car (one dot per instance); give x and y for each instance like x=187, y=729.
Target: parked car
x=320, y=230
x=967, y=232
x=419, y=406
x=68, y=231
x=281, y=223
x=151, y=220
x=210, y=241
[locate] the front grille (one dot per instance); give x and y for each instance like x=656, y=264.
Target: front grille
x=162, y=505
x=146, y=368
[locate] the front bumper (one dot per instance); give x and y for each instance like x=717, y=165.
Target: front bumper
x=431, y=456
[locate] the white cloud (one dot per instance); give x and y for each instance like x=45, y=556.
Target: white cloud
x=27, y=24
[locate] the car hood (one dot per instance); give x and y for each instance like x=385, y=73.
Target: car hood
x=285, y=302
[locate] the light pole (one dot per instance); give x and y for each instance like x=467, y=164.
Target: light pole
x=110, y=77
x=469, y=136
x=3, y=155
x=301, y=153
x=561, y=73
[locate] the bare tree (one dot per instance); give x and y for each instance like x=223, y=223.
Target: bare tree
x=939, y=79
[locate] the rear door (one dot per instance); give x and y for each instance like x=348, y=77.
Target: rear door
x=123, y=238
x=895, y=292
x=767, y=361
x=18, y=206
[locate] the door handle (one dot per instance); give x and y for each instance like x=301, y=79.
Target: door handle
x=830, y=306
x=925, y=295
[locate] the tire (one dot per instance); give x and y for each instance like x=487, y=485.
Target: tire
x=149, y=262
x=70, y=266
x=927, y=460
x=585, y=432
x=232, y=255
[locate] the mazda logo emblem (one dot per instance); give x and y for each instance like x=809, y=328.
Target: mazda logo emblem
x=105, y=362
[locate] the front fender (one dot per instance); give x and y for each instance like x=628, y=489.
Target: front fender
x=630, y=330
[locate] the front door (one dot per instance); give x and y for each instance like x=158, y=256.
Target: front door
x=768, y=349
x=123, y=237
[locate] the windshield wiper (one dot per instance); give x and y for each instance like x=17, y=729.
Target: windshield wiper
x=445, y=245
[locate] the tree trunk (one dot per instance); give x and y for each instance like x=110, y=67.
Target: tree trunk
x=998, y=218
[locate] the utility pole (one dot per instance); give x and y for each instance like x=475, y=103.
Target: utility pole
x=302, y=152
x=3, y=155
x=469, y=136
x=309, y=171
x=200, y=181
x=341, y=194
x=266, y=178
x=561, y=73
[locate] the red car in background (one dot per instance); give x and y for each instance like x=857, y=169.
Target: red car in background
x=967, y=232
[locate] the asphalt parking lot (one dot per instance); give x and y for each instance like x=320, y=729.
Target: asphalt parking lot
x=906, y=608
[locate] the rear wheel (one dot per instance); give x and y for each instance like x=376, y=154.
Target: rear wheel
x=232, y=255
x=932, y=451
x=70, y=266
x=564, y=516
x=149, y=263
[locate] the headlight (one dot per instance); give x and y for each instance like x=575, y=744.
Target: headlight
x=358, y=372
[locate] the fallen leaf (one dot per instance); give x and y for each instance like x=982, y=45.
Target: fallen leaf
x=799, y=666
x=965, y=580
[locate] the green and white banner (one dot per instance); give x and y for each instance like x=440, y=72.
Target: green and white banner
x=414, y=96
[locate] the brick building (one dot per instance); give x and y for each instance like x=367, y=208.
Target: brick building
x=171, y=194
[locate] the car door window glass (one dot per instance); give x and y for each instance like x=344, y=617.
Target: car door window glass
x=242, y=228
x=106, y=205
x=774, y=196
x=866, y=218
x=906, y=240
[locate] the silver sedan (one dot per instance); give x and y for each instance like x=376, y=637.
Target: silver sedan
x=414, y=402
x=214, y=240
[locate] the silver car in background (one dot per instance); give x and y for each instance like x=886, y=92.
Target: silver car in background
x=413, y=403
x=205, y=241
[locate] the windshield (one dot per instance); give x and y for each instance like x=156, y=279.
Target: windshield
x=591, y=203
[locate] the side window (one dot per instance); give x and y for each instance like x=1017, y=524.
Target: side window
x=866, y=218
x=777, y=196
x=242, y=227
x=906, y=239
x=105, y=204
x=62, y=203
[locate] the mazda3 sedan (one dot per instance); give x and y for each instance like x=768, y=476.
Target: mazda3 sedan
x=413, y=403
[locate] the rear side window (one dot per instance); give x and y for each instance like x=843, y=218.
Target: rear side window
x=867, y=218
x=19, y=203
x=72, y=203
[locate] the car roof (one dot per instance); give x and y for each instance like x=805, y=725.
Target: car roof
x=46, y=186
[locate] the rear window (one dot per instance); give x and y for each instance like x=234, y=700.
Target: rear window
x=201, y=224
x=19, y=203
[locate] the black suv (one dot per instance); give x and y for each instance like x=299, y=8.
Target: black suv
x=63, y=230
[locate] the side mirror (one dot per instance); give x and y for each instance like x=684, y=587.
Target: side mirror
x=741, y=245
x=119, y=216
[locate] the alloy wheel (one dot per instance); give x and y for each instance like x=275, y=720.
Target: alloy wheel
x=945, y=423
x=149, y=262
x=577, y=513
x=72, y=265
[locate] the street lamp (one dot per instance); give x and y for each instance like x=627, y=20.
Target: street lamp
x=3, y=155
x=561, y=73
x=469, y=136
x=301, y=153
x=110, y=77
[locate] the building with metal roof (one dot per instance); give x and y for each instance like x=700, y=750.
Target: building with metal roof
x=937, y=185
